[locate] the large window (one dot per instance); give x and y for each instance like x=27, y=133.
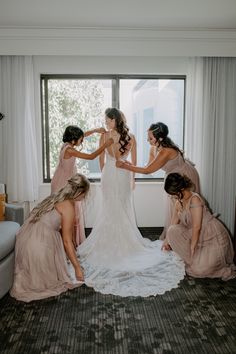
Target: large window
x=82, y=100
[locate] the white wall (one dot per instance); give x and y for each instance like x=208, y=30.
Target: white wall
x=149, y=197
x=1, y=149
x=149, y=202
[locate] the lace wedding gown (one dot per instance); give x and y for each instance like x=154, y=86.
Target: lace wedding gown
x=115, y=257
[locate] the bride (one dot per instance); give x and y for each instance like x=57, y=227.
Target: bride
x=115, y=257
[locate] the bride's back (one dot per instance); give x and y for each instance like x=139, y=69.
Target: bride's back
x=114, y=149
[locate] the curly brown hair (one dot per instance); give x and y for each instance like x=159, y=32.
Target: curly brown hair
x=175, y=183
x=121, y=127
x=160, y=131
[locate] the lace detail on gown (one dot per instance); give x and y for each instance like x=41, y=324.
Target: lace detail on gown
x=115, y=257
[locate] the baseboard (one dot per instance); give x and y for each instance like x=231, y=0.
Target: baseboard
x=145, y=231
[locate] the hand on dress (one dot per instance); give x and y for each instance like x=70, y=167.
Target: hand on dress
x=79, y=273
x=74, y=240
x=109, y=142
x=100, y=130
x=120, y=163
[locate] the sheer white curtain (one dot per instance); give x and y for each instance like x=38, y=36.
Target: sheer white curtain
x=19, y=167
x=211, y=131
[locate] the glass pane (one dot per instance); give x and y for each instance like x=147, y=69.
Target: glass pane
x=77, y=102
x=147, y=101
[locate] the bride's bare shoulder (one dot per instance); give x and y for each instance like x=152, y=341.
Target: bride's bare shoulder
x=108, y=135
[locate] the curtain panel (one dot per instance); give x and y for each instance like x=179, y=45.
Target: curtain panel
x=211, y=131
x=19, y=166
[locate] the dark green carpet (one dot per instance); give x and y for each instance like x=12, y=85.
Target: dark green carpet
x=198, y=317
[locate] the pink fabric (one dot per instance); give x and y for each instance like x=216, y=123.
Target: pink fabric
x=184, y=167
x=213, y=256
x=64, y=171
x=41, y=267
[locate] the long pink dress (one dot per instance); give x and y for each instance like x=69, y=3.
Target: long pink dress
x=64, y=171
x=184, y=167
x=213, y=255
x=41, y=268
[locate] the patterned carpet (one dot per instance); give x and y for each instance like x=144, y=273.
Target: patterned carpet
x=198, y=317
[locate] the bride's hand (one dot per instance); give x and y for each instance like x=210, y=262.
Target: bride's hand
x=79, y=273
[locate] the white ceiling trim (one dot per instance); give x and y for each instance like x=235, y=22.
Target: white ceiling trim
x=117, y=41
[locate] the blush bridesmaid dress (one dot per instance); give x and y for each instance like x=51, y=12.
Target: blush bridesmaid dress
x=41, y=268
x=65, y=170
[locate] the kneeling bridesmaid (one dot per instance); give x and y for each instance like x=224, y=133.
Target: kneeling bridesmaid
x=41, y=252
x=196, y=235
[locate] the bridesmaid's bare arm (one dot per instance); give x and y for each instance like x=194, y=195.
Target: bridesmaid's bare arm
x=73, y=152
x=160, y=160
x=174, y=221
x=102, y=155
x=96, y=130
x=67, y=211
x=196, y=213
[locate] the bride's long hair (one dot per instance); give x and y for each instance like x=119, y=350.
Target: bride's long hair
x=121, y=127
x=75, y=186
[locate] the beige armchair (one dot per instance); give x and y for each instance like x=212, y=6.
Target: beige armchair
x=14, y=217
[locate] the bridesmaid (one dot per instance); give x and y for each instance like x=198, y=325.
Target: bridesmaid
x=72, y=137
x=196, y=235
x=41, y=268
x=165, y=155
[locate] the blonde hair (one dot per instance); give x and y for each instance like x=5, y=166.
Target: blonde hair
x=75, y=186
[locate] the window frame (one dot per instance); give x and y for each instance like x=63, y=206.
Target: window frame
x=115, y=103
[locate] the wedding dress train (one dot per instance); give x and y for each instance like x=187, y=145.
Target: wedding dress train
x=115, y=257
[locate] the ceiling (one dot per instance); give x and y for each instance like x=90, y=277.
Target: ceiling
x=180, y=14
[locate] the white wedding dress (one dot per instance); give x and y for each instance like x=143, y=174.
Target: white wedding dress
x=115, y=257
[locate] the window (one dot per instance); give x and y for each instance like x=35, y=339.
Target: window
x=148, y=100
x=82, y=100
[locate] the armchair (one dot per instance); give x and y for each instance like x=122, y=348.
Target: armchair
x=14, y=217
